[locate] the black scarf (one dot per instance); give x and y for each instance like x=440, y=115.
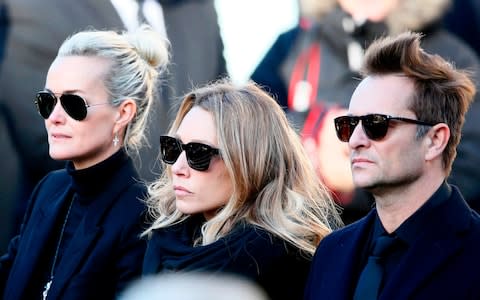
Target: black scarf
x=172, y=249
x=248, y=251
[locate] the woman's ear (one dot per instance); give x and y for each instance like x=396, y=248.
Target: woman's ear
x=436, y=140
x=126, y=112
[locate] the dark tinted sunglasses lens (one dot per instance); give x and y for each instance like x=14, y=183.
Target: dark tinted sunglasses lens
x=344, y=127
x=45, y=104
x=375, y=126
x=170, y=149
x=74, y=106
x=199, y=156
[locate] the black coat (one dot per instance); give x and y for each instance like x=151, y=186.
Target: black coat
x=105, y=252
x=442, y=263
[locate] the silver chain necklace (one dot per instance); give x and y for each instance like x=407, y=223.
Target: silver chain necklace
x=49, y=283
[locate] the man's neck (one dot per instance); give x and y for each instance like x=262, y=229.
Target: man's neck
x=397, y=205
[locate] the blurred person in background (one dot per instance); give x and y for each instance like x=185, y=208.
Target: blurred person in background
x=463, y=19
x=8, y=165
x=35, y=31
x=312, y=70
x=193, y=286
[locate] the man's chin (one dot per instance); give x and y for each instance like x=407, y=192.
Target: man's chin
x=368, y=186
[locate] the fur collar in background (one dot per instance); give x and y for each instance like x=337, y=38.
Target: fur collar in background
x=410, y=15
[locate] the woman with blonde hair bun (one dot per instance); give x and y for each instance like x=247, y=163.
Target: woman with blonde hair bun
x=80, y=235
x=239, y=194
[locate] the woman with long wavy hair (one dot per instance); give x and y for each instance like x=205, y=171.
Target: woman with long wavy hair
x=239, y=194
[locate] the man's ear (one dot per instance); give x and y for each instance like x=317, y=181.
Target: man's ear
x=436, y=140
x=126, y=112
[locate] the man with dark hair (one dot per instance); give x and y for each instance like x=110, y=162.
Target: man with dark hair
x=403, y=125
x=313, y=70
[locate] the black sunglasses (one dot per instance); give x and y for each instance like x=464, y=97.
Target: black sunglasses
x=198, y=155
x=74, y=105
x=375, y=126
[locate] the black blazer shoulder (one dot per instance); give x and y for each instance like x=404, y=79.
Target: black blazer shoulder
x=104, y=254
x=441, y=264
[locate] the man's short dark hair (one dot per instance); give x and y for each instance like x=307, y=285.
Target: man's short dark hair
x=442, y=94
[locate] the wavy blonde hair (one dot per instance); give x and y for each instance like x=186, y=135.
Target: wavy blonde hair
x=275, y=185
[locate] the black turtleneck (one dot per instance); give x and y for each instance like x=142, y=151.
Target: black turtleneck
x=86, y=184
